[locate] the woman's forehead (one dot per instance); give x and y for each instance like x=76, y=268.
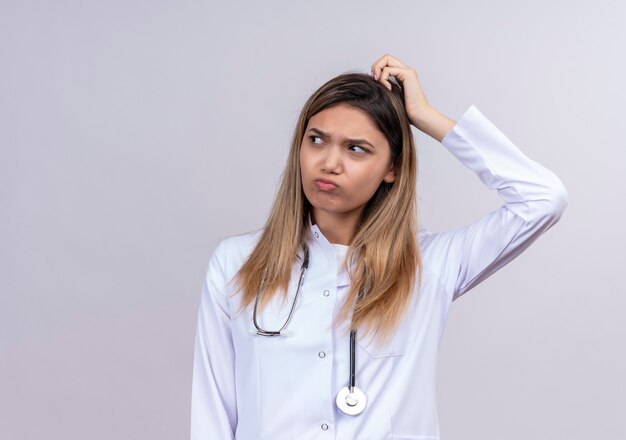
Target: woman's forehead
x=345, y=121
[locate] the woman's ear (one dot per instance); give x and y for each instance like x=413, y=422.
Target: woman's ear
x=391, y=175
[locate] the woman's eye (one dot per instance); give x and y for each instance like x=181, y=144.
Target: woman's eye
x=312, y=138
x=360, y=150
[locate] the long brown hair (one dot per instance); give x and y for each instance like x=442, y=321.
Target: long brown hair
x=384, y=251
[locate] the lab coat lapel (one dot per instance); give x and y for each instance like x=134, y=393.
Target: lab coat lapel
x=343, y=279
x=316, y=238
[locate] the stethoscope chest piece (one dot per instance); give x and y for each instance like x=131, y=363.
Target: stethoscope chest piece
x=351, y=403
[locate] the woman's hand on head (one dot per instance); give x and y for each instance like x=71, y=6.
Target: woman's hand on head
x=415, y=102
x=420, y=113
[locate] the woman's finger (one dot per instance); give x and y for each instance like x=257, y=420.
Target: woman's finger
x=382, y=62
x=415, y=100
x=388, y=60
x=400, y=73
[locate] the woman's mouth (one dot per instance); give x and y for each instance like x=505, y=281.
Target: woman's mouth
x=325, y=185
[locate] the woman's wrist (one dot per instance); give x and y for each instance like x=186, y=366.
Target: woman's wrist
x=432, y=122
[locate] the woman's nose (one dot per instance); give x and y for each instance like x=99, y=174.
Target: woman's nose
x=332, y=159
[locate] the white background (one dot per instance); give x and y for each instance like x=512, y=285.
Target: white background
x=134, y=135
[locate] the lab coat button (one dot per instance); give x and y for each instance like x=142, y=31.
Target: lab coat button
x=317, y=235
x=324, y=426
x=326, y=292
x=321, y=354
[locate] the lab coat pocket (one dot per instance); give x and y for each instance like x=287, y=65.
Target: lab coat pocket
x=396, y=345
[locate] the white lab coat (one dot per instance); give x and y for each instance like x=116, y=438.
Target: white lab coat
x=253, y=387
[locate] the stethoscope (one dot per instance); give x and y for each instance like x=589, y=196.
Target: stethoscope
x=350, y=399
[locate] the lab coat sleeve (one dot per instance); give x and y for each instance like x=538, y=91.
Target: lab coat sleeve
x=213, y=398
x=534, y=200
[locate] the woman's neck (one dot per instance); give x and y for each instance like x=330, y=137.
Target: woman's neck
x=337, y=228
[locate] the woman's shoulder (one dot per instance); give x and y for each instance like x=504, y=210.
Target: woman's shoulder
x=432, y=250
x=234, y=249
x=243, y=240
x=423, y=237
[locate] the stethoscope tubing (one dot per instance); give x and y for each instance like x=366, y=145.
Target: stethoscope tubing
x=259, y=329
x=350, y=400
x=352, y=381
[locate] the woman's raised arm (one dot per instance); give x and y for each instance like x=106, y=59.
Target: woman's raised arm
x=534, y=197
x=534, y=200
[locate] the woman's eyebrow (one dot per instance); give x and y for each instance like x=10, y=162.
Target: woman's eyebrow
x=354, y=141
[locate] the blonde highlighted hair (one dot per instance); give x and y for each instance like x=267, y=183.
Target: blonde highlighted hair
x=385, y=251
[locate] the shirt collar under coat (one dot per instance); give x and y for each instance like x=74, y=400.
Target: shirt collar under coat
x=322, y=257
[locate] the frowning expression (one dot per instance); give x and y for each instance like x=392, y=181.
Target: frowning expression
x=344, y=158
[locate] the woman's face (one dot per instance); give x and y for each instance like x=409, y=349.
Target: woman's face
x=342, y=145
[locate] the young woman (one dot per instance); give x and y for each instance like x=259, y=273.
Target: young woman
x=325, y=324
